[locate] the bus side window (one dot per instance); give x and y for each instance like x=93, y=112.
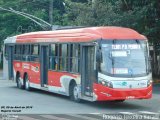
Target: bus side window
x=63, y=57
x=6, y=52
x=26, y=51
x=15, y=49
x=75, y=58
x=53, y=58
x=17, y=52
x=35, y=53
x=35, y=50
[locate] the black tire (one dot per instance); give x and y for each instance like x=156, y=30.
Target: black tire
x=27, y=83
x=19, y=83
x=119, y=101
x=74, y=92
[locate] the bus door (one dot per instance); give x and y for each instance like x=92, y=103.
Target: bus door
x=44, y=52
x=10, y=51
x=88, y=69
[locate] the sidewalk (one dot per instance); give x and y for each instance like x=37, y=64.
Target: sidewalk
x=6, y=83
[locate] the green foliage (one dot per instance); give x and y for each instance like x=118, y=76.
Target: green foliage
x=13, y=24
x=141, y=15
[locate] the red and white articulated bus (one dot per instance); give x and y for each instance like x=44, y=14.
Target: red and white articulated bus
x=94, y=63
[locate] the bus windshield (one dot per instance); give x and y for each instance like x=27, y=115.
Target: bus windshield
x=126, y=58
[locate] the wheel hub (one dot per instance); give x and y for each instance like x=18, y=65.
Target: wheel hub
x=75, y=92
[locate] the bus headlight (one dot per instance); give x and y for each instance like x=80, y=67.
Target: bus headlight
x=106, y=83
x=149, y=82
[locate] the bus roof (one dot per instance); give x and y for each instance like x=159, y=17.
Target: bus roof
x=80, y=35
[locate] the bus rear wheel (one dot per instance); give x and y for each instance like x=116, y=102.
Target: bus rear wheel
x=74, y=92
x=19, y=83
x=27, y=83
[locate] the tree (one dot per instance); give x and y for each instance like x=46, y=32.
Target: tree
x=12, y=24
x=141, y=15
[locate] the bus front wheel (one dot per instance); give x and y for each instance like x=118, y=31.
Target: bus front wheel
x=74, y=92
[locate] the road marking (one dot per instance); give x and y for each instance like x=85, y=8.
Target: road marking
x=26, y=118
x=147, y=112
x=128, y=113
x=84, y=117
x=98, y=114
x=53, y=117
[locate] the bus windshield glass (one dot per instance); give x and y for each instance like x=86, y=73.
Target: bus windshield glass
x=126, y=58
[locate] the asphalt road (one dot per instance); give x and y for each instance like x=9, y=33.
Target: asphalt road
x=41, y=102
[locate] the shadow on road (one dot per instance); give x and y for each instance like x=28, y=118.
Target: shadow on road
x=116, y=105
x=127, y=105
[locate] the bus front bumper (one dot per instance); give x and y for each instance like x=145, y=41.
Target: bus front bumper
x=103, y=93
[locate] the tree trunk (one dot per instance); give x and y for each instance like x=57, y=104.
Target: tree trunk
x=51, y=12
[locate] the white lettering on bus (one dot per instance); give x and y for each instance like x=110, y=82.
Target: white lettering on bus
x=125, y=46
x=35, y=69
